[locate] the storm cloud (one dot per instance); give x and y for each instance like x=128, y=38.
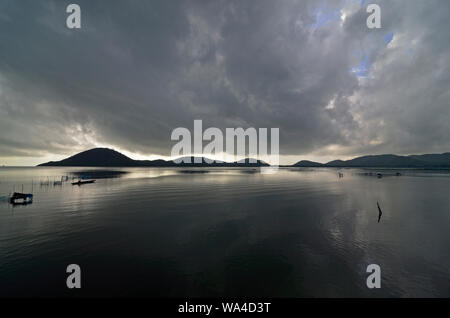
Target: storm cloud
x=138, y=69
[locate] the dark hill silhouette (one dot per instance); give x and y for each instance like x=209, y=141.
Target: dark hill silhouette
x=386, y=161
x=307, y=163
x=335, y=163
x=434, y=159
x=97, y=157
x=104, y=157
x=378, y=161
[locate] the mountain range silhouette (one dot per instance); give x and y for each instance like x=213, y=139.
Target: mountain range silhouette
x=105, y=157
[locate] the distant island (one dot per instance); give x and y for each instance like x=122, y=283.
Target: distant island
x=104, y=157
x=386, y=161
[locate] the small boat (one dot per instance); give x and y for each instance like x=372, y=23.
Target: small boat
x=21, y=198
x=379, y=175
x=80, y=182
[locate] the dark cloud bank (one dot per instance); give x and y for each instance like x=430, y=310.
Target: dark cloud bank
x=138, y=69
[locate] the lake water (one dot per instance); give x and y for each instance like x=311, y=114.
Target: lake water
x=226, y=232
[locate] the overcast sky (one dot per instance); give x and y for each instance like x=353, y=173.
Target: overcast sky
x=138, y=69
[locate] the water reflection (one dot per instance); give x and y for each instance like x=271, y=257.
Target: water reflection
x=98, y=174
x=227, y=232
x=194, y=171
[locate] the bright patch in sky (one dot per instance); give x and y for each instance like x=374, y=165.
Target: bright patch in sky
x=362, y=70
x=389, y=37
x=324, y=15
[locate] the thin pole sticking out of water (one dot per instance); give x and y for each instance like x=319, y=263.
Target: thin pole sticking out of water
x=380, y=213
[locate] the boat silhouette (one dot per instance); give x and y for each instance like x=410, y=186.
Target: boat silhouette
x=21, y=198
x=81, y=182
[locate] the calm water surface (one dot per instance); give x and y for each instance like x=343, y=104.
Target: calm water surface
x=226, y=232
